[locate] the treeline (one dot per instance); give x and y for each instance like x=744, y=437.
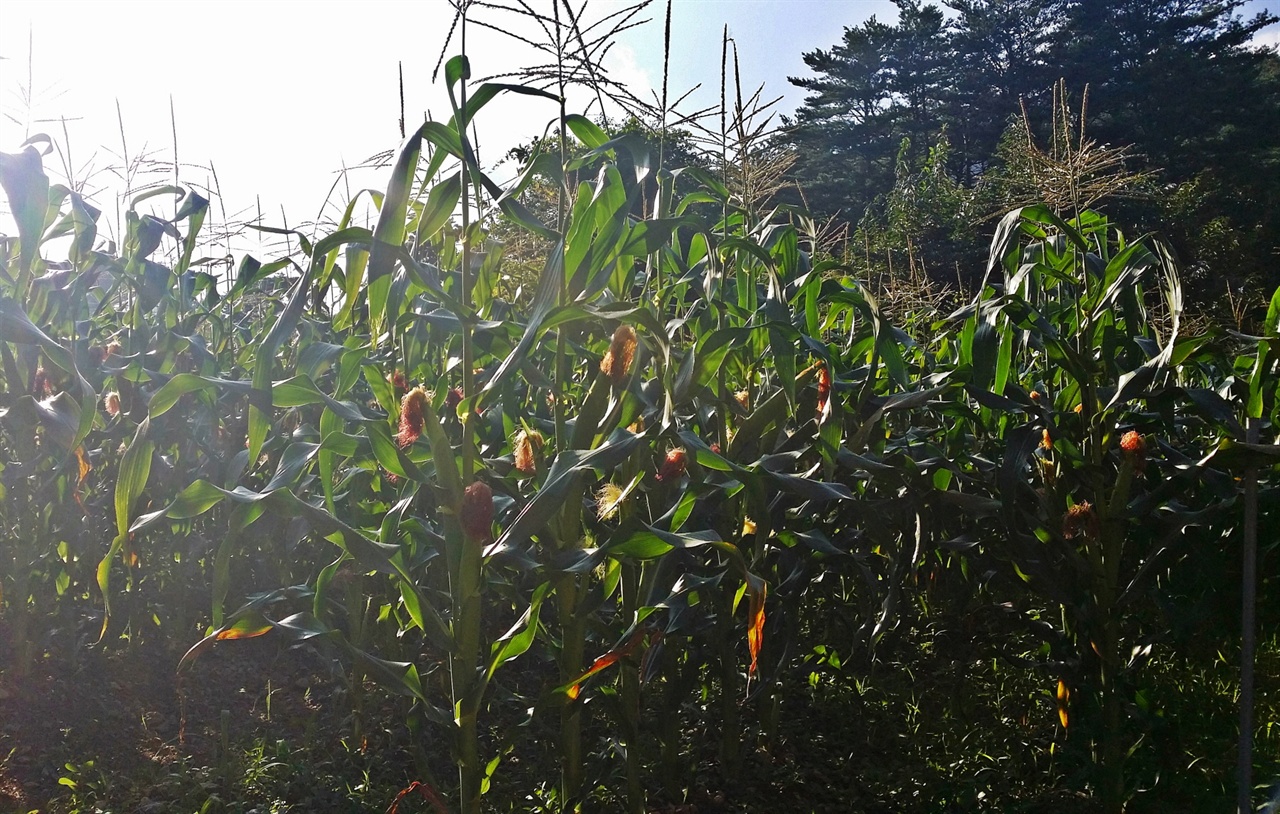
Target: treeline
x=1159, y=110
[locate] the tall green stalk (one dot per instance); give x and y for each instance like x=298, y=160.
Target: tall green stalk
x=673, y=698
x=1113, y=531
x=572, y=656
x=562, y=227
x=629, y=676
x=730, y=714
x=464, y=666
x=1248, y=629
x=467, y=579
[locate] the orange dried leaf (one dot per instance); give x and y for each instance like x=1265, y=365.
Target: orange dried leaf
x=425, y=791
x=1064, y=697
x=824, y=388
x=755, y=626
x=245, y=629
x=85, y=466
x=608, y=660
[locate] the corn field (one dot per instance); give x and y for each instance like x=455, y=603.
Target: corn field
x=658, y=497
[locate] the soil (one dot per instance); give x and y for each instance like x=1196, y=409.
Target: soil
x=123, y=732
x=131, y=715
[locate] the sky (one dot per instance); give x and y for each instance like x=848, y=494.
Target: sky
x=267, y=101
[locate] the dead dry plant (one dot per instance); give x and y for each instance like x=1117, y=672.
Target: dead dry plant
x=1074, y=172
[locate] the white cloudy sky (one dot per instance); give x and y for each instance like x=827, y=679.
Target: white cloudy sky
x=278, y=95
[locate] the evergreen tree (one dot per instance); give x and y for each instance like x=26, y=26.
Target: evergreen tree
x=844, y=136
x=998, y=50
x=1175, y=80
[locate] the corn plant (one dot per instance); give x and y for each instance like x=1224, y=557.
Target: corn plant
x=635, y=494
x=1070, y=384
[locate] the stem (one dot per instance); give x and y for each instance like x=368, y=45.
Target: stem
x=1107, y=586
x=630, y=674
x=466, y=587
x=24, y=652
x=468, y=377
x=730, y=736
x=571, y=659
x=1248, y=633
x=357, y=607
x=1111, y=767
x=670, y=759
x=467, y=609
x=770, y=703
x=19, y=587
x=562, y=203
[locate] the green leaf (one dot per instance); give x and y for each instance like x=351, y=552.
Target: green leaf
x=265, y=358
x=519, y=638
x=1235, y=455
x=585, y=130
x=644, y=542
x=135, y=469
x=684, y=508
x=441, y=202
x=456, y=69
x=399, y=677
x=1271, y=325
x=807, y=488
x=27, y=187
x=482, y=95
x=16, y=326
x=131, y=480
x=303, y=242
x=389, y=454
x=60, y=417
x=180, y=385
x=295, y=458
x=1257, y=382
x=544, y=300
x=368, y=554
x=706, y=358
x=1134, y=382
x=564, y=477
x=301, y=391
x=389, y=233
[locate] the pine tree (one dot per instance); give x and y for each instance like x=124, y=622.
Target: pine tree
x=1176, y=82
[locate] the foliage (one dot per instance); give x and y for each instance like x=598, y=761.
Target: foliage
x=693, y=478
x=1176, y=85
